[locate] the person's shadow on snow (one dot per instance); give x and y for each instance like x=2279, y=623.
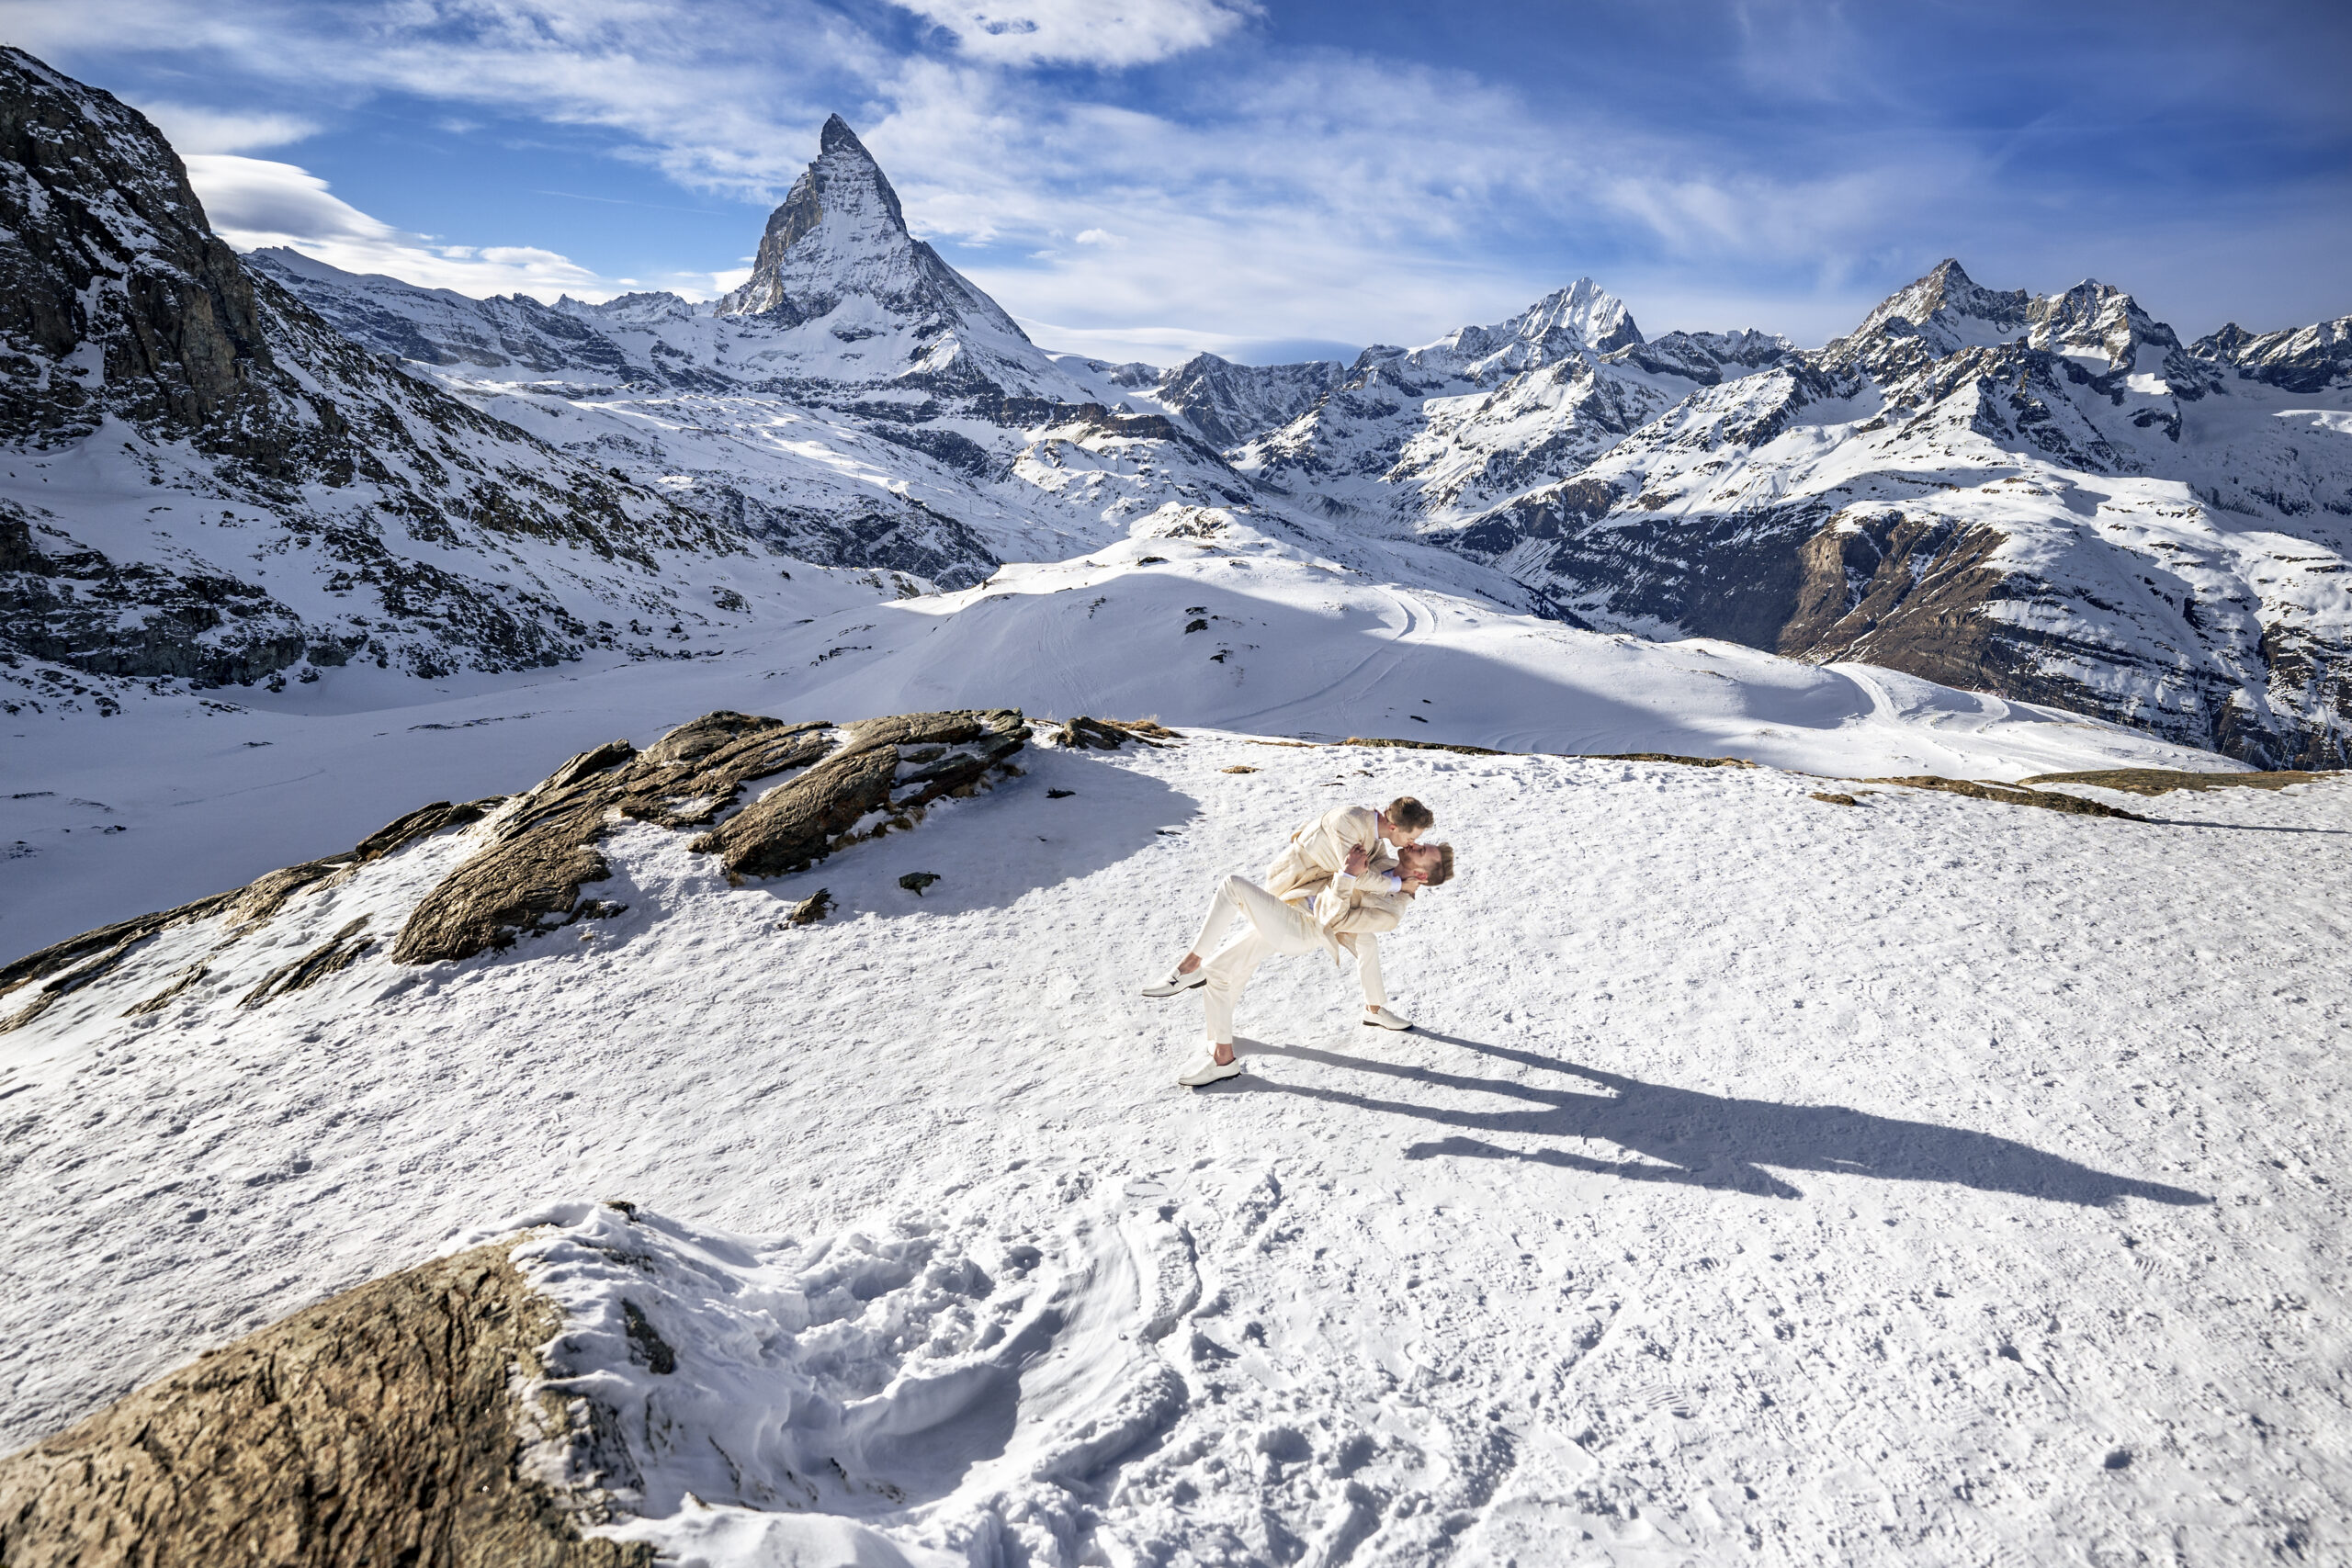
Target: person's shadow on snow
x=1706, y=1140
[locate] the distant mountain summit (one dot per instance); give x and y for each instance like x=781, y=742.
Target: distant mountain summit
x=837, y=259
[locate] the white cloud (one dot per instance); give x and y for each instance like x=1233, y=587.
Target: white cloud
x=1082, y=32
x=253, y=202
x=193, y=130
x=1272, y=193
x=1101, y=237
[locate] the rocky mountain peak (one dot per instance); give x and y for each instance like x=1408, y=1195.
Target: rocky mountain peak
x=1598, y=319
x=840, y=217
x=838, y=252
x=2095, y=319
x=1951, y=311
x=837, y=137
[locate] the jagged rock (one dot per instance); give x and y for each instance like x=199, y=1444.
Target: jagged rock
x=337, y=955
x=2048, y=800
x=811, y=910
x=66, y=966
x=1420, y=746
x=2161, y=781
x=803, y=819
x=1109, y=734
x=381, y=1426
x=915, y=881
x=543, y=851
x=544, y=848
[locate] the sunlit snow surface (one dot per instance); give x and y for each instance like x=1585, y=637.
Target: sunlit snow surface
x=1923, y=1182
x=182, y=796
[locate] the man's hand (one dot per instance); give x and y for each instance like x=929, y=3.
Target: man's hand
x=1357, y=860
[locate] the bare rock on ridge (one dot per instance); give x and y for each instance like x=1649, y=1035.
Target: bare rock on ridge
x=378, y=1427
x=64, y=967
x=894, y=767
x=540, y=855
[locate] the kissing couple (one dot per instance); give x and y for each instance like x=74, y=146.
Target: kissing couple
x=1343, y=879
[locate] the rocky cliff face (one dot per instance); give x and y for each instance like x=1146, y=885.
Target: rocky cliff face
x=2049, y=497
x=183, y=426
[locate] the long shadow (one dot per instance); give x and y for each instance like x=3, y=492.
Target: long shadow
x=1705, y=1140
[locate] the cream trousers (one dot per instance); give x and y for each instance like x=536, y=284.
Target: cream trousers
x=1271, y=926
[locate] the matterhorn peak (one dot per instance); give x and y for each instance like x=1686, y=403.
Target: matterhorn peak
x=840, y=230
x=837, y=137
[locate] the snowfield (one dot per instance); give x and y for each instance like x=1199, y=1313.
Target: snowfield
x=1921, y=1181
x=92, y=828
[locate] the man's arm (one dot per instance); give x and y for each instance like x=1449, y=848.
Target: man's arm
x=1325, y=845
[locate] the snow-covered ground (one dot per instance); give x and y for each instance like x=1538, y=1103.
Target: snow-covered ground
x=1924, y=1181
x=182, y=795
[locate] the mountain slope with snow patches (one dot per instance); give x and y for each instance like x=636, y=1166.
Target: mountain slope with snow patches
x=2050, y=498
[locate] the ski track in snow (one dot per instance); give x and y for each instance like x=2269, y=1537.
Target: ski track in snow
x=1929, y=1181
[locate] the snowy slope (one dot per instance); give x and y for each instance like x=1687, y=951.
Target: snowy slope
x=1288, y=642
x=1923, y=1182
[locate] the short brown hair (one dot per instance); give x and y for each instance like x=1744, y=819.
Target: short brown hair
x=1442, y=872
x=1410, y=814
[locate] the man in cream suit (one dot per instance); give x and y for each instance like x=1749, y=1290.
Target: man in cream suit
x=1340, y=881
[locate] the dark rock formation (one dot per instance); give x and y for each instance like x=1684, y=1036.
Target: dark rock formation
x=887, y=768
x=544, y=849
x=1083, y=734
x=2161, y=781
x=379, y=1428
x=2048, y=800
x=528, y=877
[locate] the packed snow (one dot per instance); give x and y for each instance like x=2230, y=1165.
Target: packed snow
x=1926, y=1181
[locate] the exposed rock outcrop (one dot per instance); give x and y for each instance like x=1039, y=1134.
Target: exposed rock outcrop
x=64, y=967
x=383, y=1427
x=857, y=783
x=883, y=776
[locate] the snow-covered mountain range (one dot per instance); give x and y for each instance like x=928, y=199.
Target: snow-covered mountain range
x=2051, y=498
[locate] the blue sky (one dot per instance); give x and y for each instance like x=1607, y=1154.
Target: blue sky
x=1141, y=178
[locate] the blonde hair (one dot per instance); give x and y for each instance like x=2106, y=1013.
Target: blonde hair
x=1442, y=872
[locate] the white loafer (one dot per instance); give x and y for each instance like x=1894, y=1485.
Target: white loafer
x=1175, y=983
x=1208, y=1070
x=1383, y=1018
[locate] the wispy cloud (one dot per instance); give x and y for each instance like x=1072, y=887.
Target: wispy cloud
x=253, y=202
x=1719, y=163
x=1081, y=32
x=192, y=129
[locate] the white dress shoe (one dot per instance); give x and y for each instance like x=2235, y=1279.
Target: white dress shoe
x=1208, y=1070
x=1387, y=1018
x=1175, y=981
